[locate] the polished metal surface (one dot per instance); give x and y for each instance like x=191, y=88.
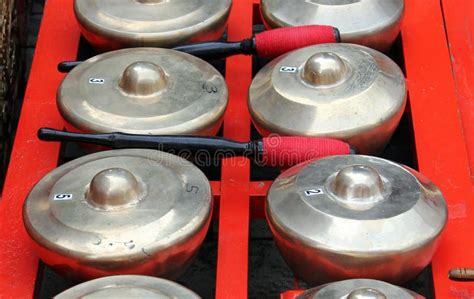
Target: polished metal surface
x=359, y=289
x=128, y=286
x=372, y=23
x=342, y=91
x=144, y=91
x=115, y=24
x=120, y=212
x=113, y=188
x=355, y=216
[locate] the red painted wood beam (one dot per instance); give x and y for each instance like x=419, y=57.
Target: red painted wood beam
x=232, y=255
x=31, y=159
x=440, y=144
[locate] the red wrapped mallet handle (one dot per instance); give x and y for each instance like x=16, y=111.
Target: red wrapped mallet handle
x=268, y=44
x=276, y=42
x=285, y=152
x=274, y=151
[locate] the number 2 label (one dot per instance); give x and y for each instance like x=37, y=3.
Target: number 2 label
x=313, y=192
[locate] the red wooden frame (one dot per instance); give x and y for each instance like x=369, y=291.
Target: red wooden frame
x=440, y=148
x=440, y=145
x=459, y=18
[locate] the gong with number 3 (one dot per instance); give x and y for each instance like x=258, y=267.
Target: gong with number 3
x=342, y=91
x=144, y=91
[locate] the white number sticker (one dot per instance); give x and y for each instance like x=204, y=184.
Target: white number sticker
x=60, y=197
x=96, y=81
x=288, y=69
x=313, y=192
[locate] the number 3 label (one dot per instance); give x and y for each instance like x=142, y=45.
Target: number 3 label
x=61, y=197
x=96, y=81
x=288, y=69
